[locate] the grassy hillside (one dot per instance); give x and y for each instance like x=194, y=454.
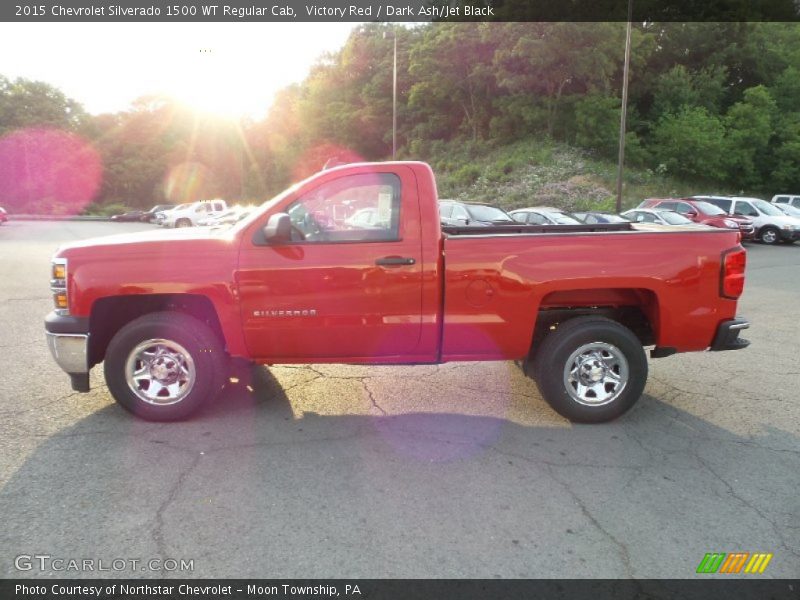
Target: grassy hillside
x=531, y=173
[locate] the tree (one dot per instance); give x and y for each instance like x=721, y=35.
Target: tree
x=691, y=143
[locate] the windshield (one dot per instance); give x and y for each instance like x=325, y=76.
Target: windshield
x=563, y=218
x=674, y=218
x=708, y=208
x=766, y=208
x=788, y=209
x=615, y=219
x=480, y=212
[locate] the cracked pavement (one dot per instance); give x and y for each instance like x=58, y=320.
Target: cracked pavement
x=458, y=470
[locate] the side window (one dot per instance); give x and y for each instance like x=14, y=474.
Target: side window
x=744, y=208
x=683, y=208
x=445, y=210
x=370, y=201
x=536, y=219
x=590, y=219
x=782, y=200
x=796, y=201
x=667, y=205
x=519, y=217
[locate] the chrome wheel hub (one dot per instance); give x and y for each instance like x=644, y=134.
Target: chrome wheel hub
x=160, y=372
x=596, y=374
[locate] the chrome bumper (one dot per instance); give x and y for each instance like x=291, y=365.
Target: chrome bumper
x=70, y=351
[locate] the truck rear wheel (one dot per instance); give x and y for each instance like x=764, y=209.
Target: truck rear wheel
x=591, y=369
x=164, y=366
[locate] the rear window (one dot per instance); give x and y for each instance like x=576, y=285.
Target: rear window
x=708, y=209
x=722, y=203
x=487, y=213
x=674, y=218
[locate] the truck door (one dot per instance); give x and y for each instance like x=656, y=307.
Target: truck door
x=344, y=286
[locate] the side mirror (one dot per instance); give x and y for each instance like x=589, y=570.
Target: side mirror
x=691, y=214
x=278, y=229
x=466, y=221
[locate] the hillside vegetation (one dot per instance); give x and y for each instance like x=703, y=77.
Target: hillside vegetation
x=512, y=113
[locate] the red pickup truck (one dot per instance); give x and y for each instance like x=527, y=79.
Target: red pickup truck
x=352, y=266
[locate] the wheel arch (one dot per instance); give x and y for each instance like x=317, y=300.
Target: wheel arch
x=110, y=314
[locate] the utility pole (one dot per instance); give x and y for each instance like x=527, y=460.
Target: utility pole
x=624, y=112
x=394, y=96
x=394, y=92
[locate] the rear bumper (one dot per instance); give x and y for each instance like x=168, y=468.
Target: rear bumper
x=68, y=340
x=727, y=337
x=790, y=236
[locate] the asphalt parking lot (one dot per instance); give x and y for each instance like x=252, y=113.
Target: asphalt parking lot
x=459, y=470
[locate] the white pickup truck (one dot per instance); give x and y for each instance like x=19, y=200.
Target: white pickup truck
x=189, y=215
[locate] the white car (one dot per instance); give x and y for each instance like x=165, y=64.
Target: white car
x=543, y=215
x=789, y=199
x=772, y=226
x=659, y=217
x=189, y=215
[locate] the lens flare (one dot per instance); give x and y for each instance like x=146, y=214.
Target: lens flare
x=48, y=171
x=186, y=182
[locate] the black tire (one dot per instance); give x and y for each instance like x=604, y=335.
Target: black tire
x=594, y=334
x=208, y=362
x=769, y=236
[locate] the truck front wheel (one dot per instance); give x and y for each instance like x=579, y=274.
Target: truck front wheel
x=163, y=366
x=591, y=369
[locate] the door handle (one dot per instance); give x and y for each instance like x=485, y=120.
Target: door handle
x=394, y=261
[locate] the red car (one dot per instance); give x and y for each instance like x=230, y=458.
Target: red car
x=703, y=212
x=576, y=304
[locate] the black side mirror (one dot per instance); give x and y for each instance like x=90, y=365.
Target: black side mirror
x=278, y=229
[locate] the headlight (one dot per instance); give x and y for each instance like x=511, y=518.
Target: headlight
x=731, y=224
x=58, y=285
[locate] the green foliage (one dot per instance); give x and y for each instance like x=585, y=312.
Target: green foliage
x=490, y=105
x=691, y=143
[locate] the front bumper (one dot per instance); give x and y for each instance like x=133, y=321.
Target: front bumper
x=68, y=340
x=727, y=337
x=790, y=235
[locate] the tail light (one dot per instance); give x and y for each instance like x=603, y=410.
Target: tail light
x=733, y=265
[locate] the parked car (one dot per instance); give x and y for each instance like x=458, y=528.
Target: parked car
x=131, y=215
x=150, y=215
x=593, y=217
x=367, y=217
x=189, y=215
x=161, y=215
x=461, y=214
x=280, y=288
x=794, y=200
x=771, y=225
x=543, y=215
x=703, y=212
x=3, y=215
x=659, y=217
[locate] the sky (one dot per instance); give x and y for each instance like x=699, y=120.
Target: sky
x=233, y=69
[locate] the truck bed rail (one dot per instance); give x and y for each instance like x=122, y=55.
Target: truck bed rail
x=517, y=229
